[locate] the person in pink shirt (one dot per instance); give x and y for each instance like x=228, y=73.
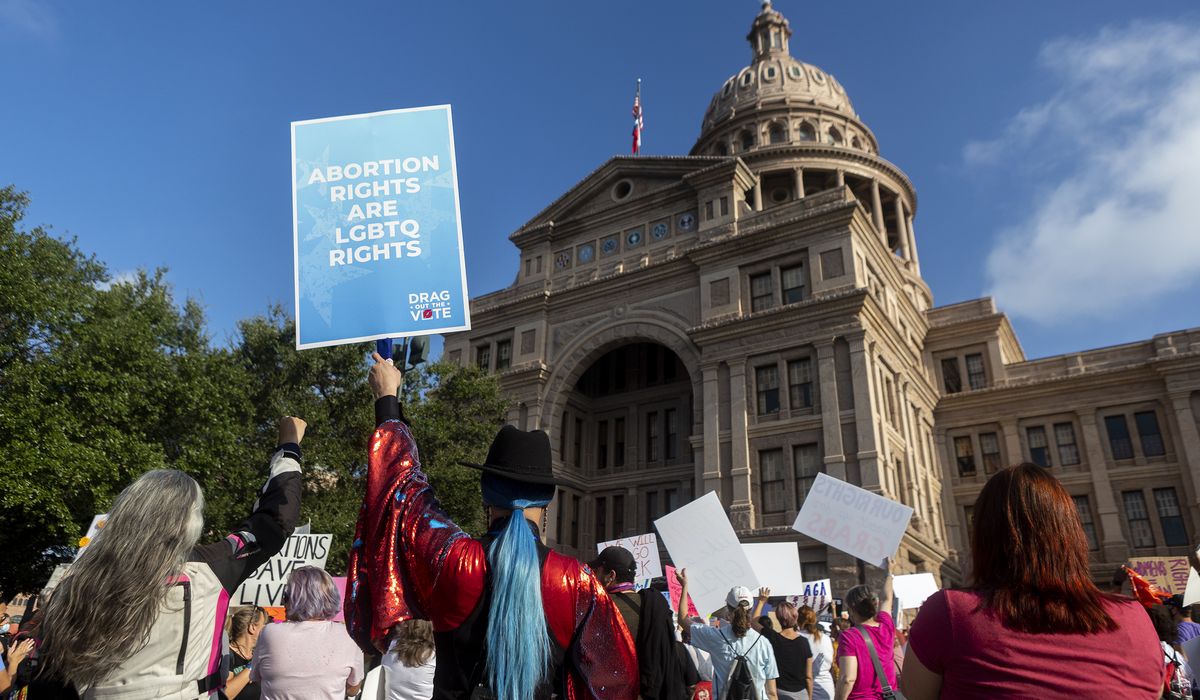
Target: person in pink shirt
x=857, y=679
x=1032, y=624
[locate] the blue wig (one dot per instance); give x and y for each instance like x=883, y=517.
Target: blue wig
x=518, y=640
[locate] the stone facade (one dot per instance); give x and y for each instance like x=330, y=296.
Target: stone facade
x=742, y=318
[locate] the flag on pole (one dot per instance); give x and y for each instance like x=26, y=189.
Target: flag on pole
x=637, y=119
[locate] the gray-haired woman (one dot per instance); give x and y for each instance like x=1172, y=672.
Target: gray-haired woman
x=309, y=656
x=141, y=613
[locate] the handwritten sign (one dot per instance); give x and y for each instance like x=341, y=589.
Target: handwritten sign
x=1168, y=573
x=912, y=589
x=674, y=590
x=265, y=587
x=645, y=554
x=700, y=539
x=777, y=566
x=377, y=236
x=860, y=523
x=815, y=594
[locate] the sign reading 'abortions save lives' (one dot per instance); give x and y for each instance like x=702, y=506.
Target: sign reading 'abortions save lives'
x=376, y=227
x=265, y=587
x=856, y=521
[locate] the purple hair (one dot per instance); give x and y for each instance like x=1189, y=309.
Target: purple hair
x=311, y=595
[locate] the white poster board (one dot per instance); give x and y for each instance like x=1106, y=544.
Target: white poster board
x=1191, y=593
x=265, y=587
x=860, y=523
x=777, y=566
x=94, y=529
x=645, y=554
x=815, y=594
x=701, y=540
x=912, y=589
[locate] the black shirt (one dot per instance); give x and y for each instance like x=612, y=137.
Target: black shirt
x=238, y=663
x=791, y=655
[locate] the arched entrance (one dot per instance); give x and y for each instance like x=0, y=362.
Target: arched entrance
x=623, y=445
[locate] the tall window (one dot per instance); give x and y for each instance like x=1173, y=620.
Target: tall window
x=672, y=419
x=483, y=357
x=965, y=455
x=1138, y=518
x=800, y=384
x=772, y=481
x=989, y=448
x=1039, y=453
x=808, y=465
x=761, y=294
x=651, y=509
x=619, y=442
x=602, y=444
x=1147, y=427
x=813, y=570
x=793, y=284
x=1085, y=518
x=766, y=380
x=976, y=376
x=1064, y=437
x=670, y=500
x=1170, y=517
x=601, y=518
x=575, y=521
x=1118, y=437
x=652, y=435
x=503, y=354
x=578, y=441
x=951, y=379
x=618, y=516
x=778, y=132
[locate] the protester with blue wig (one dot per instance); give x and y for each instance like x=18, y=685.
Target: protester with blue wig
x=512, y=619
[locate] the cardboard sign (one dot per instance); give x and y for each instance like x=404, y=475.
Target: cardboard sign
x=674, y=590
x=701, y=540
x=860, y=523
x=1168, y=573
x=377, y=236
x=777, y=566
x=912, y=589
x=645, y=554
x=815, y=594
x=265, y=587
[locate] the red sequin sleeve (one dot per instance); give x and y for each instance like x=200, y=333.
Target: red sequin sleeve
x=402, y=543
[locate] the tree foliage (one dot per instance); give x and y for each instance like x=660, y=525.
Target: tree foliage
x=101, y=381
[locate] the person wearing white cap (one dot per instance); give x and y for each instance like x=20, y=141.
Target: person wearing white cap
x=732, y=642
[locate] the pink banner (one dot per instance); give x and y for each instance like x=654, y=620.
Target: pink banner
x=675, y=590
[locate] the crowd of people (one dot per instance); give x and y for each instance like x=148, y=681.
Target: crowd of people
x=143, y=612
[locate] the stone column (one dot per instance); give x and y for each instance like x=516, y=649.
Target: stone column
x=912, y=246
x=741, y=510
x=864, y=412
x=1012, y=443
x=1189, y=444
x=798, y=175
x=757, y=195
x=1112, y=540
x=877, y=211
x=631, y=510
x=902, y=232
x=831, y=414
x=841, y=178
x=710, y=469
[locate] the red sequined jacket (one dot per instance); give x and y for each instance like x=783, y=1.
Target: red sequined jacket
x=409, y=560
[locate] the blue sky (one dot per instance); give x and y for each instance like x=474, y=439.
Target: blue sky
x=1042, y=137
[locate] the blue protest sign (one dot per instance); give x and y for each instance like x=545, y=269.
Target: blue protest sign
x=376, y=227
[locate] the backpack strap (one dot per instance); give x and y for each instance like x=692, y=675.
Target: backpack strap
x=883, y=681
x=628, y=603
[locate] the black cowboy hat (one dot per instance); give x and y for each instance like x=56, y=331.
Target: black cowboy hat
x=519, y=455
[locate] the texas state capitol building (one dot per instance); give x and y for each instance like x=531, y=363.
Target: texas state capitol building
x=746, y=316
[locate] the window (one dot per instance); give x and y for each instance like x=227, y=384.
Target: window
x=503, y=354
x=807, y=132
x=761, y=294
x=618, y=516
x=1039, y=454
x=601, y=519
x=670, y=500
x=602, y=444
x=652, y=436
x=1169, y=516
x=813, y=570
x=708, y=210
x=724, y=206
x=965, y=455
x=575, y=521
x=578, y=441
x=538, y=265
x=835, y=136
x=793, y=284
x=989, y=448
x=483, y=357
x=951, y=380
x=766, y=380
x=778, y=134
x=1138, y=519
x=651, y=509
x=1085, y=518
x=808, y=464
x=1147, y=427
x=747, y=136
x=528, y=266
x=800, y=387
x=562, y=438
x=619, y=442
x=772, y=478
x=1064, y=437
x=1118, y=437
x=672, y=433
x=976, y=376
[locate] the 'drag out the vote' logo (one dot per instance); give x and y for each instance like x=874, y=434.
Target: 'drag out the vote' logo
x=428, y=306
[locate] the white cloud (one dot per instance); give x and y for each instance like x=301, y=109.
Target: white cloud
x=29, y=18
x=1118, y=146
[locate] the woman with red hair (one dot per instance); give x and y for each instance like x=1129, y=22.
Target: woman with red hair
x=1033, y=624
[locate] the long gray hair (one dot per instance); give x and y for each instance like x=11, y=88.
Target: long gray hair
x=102, y=611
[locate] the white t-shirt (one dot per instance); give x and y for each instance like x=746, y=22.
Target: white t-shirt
x=822, y=660
x=306, y=661
x=409, y=682
x=723, y=645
